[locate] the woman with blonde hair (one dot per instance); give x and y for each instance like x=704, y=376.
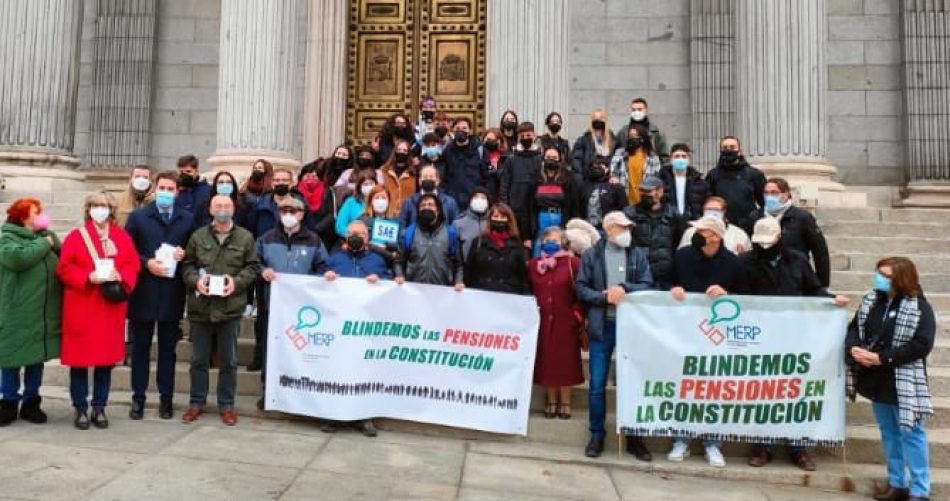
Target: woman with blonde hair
x=597, y=141
x=99, y=267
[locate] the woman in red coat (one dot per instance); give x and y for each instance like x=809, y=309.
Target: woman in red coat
x=557, y=366
x=94, y=326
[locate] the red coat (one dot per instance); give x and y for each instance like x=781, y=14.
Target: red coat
x=558, y=361
x=93, y=328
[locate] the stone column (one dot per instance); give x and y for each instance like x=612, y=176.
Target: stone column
x=39, y=50
x=781, y=79
x=257, y=77
x=324, y=117
x=927, y=98
x=713, y=77
x=528, y=59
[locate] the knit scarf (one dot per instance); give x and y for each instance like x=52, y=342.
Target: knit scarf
x=313, y=194
x=910, y=379
x=499, y=238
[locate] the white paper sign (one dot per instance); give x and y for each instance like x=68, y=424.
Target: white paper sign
x=104, y=268
x=165, y=254
x=215, y=285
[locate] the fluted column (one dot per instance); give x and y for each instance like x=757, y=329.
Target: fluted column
x=39, y=54
x=324, y=117
x=713, y=77
x=528, y=59
x=927, y=97
x=257, y=106
x=781, y=73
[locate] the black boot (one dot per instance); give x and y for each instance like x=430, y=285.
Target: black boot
x=137, y=411
x=82, y=419
x=594, y=448
x=30, y=411
x=8, y=411
x=255, y=365
x=636, y=447
x=165, y=408
x=98, y=418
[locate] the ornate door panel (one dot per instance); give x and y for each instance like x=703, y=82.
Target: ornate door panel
x=402, y=50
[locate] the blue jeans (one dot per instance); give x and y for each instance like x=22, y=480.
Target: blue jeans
x=141, y=334
x=10, y=382
x=79, y=386
x=600, y=353
x=904, y=448
x=546, y=220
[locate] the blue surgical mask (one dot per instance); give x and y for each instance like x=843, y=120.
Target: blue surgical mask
x=712, y=213
x=881, y=283
x=772, y=203
x=225, y=189
x=679, y=164
x=431, y=152
x=164, y=199
x=550, y=248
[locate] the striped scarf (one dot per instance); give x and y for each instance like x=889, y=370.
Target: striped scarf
x=910, y=379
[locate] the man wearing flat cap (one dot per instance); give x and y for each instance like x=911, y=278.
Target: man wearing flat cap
x=657, y=229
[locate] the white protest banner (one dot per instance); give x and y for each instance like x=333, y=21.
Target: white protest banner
x=735, y=368
x=349, y=350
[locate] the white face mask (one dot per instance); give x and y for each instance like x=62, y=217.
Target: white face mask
x=713, y=213
x=366, y=188
x=479, y=205
x=99, y=214
x=622, y=240
x=140, y=183
x=638, y=116
x=380, y=205
x=289, y=220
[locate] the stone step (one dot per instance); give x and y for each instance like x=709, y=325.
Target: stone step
x=889, y=246
x=930, y=229
x=859, y=261
x=939, y=301
x=75, y=198
x=832, y=474
x=874, y=214
x=183, y=350
x=851, y=280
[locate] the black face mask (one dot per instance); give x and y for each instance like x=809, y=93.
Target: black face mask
x=498, y=226
x=402, y=130
x=526, y=143
x=341, y=163
x=554, y=128
x=598, y=125
x=461, y=137
x=257, y=175
x=281, y=189
x=401, y=158
x=491, y=145
x=427, y=218
x=362, y=162
x=596, y=173
x=770, y=253
x=186, y=180
x=698, y=241
x=551, y=165
x=355, y=243
x=728, y=156
x=633, y=144
x=428, y=115
x=427, y=185
x=509, y=126
x=646, y=202
x=441, y=131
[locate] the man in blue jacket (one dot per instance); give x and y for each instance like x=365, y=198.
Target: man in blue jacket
x=288, y=248
x=159, y=298
x=193, y=191
x=464, y=168
x=610, y=270
x=429, y=183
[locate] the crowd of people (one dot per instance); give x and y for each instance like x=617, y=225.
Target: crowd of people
x=429, y=201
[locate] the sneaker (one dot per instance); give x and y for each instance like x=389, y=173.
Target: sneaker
x=714, y=456
x=679, y=452
x=248, y=310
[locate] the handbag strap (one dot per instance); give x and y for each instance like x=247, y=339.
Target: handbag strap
x=89, y=245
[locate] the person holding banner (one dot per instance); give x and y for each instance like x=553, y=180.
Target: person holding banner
x=887, y=345
x=557, y=365
x=609, y=270
x=497, y=261
x=772, y=269
x=429, y=249
x=705, y=267
x=288, y=248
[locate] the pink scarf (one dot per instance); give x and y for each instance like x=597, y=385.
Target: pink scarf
x=549, y=262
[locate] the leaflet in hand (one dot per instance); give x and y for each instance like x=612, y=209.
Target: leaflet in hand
x=166, y=255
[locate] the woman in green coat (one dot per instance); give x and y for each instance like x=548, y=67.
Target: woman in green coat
x=30, y=308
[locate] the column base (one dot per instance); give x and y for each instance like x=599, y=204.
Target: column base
x=39, y=172
x=812, y=182
x=923, y=194
x=239, y=162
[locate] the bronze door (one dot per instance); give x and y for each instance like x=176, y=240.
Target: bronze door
x=402, y=50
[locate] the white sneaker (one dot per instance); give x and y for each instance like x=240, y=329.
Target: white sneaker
x=247, y=310
x=714, y=456
x=679, y=452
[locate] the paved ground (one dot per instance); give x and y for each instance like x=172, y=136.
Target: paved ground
x=271, y=459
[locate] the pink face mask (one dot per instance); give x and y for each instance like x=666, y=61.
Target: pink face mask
x=41, y=222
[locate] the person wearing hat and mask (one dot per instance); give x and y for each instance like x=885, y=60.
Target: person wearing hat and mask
x=288, y=248
x=705, y=267
x=735, y=238
x=773, y=269
x=657, y=229
x=609, y=270
x=800, y=231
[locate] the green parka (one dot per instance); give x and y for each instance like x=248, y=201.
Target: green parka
x=31, y=297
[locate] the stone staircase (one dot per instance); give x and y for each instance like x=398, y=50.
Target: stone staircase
x=858, y=237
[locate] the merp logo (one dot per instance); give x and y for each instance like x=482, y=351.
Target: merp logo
x=725, y=311
x=307, y=318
